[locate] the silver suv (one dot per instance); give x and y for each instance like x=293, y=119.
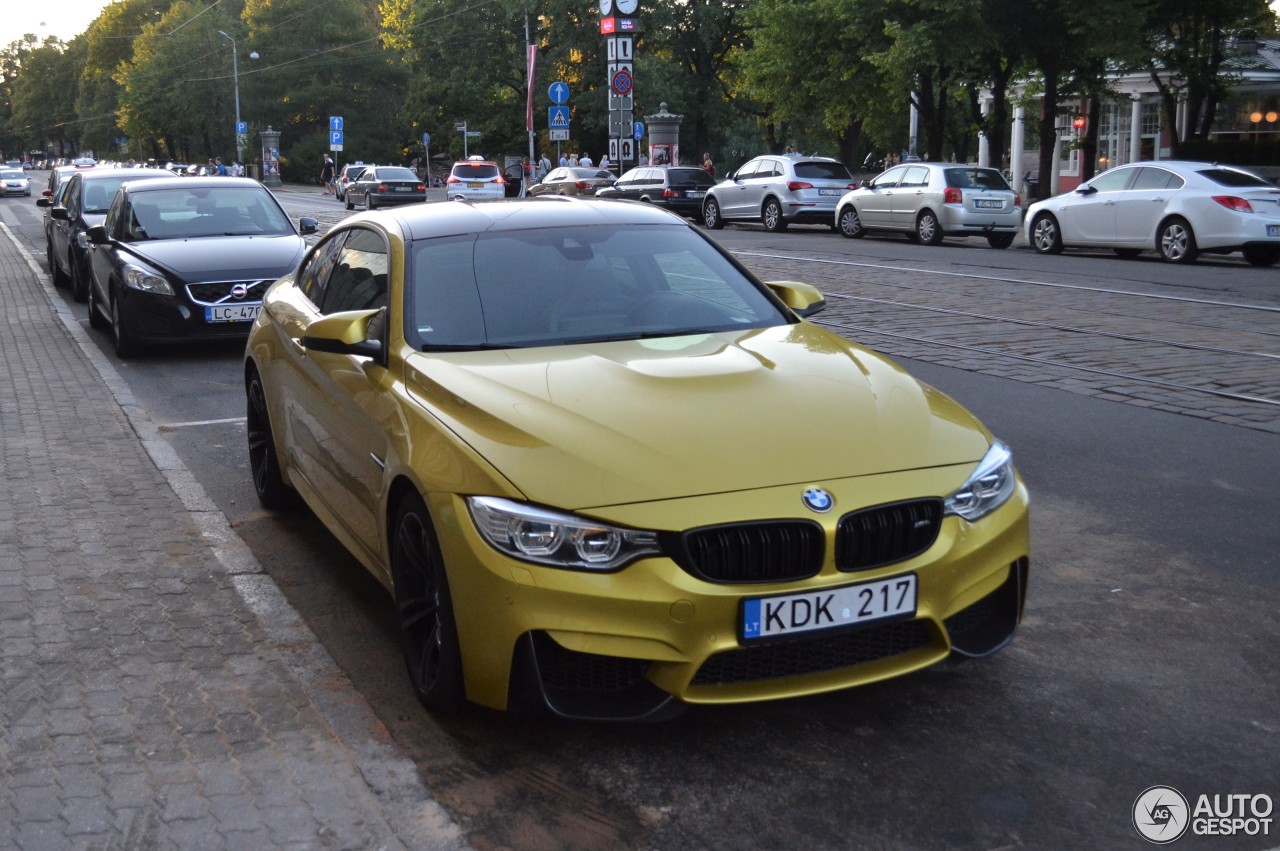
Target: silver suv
x=778, y=191
x=927, y=201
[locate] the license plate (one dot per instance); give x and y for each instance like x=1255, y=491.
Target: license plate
x=988, y=204
x=232, y=313
x=694, y=194
x=475, y=186
x=1273, y=230
x=770, y=617
x=830, y=191
x=404, y=189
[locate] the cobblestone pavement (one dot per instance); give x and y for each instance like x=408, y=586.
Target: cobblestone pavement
x=1205, y=356
x=156, y=691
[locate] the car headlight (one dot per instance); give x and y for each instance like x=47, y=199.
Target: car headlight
x=554, y=539
x=137, y=278
x=988, y=488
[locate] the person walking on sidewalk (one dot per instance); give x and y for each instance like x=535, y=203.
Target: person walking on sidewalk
x=326, y=175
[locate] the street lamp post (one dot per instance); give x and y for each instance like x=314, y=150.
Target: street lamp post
x=235, y=76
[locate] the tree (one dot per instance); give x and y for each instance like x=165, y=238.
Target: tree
x=43, y=97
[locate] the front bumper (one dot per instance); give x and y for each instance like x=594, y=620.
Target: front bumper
x=157, y=319
x=633, y=643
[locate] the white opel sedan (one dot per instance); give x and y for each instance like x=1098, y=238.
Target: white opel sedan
x=1179, y=209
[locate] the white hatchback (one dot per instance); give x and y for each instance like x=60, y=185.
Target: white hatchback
x=1177, y=208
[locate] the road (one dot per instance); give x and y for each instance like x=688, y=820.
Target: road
x=1140, y=401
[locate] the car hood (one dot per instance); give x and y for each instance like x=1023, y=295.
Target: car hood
x=617, y=423
x=222, y=258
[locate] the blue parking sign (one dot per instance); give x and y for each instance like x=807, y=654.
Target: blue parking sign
x=335, y=138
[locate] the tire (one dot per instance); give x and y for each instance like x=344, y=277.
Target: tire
x=771, y=216
x=1046, y=237
x=351, y=205
x=1261, y=255
x=849, y=223
x=1176, y=243
x=424, y=607
x=370, y=202
x=1000, y=240
x=928, y=230
x=79, y=284
x=124, y=344
x=1127, y=253
x=711, y=217
x=264, y=464
x=96, y=320
x=60, y=278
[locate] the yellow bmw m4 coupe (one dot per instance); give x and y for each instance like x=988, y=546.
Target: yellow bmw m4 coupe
x=601, y=467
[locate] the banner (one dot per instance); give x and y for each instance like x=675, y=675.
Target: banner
x=528, y=109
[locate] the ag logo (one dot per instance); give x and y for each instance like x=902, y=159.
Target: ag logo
x=1161, y=814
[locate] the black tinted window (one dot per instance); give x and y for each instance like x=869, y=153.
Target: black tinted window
x=476, y=171
x=396, y=174
x=689, y=177
x=1231, y=177
x=359, y=280
x=976, y=178
x=822, y=171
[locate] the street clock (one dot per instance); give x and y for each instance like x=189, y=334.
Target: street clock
x=626, y=7
x=606, y=8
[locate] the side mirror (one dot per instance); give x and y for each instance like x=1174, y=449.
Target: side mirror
x=307, y=225
x=59, y=213
x=802, y=299
x=1085, y=190
x=44, y=201
x=97, y=235
x=351, y=332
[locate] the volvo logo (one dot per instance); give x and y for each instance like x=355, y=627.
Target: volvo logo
x=239, y=291
x=816, y=499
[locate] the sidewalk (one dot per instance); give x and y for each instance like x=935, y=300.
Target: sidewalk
x=156, y=689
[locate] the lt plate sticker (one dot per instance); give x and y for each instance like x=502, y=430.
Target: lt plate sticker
x=853, y=604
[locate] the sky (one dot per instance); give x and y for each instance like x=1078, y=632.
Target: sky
x=64, y=18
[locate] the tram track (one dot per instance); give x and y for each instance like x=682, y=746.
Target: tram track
x=1114, y=340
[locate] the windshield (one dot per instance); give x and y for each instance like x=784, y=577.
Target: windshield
x=12, y=174
x=224, y=211
x=552, y=286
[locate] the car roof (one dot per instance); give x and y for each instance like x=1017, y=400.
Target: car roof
x=475, y=162
x=155, y=183
x=424, y=221
x=102, y=173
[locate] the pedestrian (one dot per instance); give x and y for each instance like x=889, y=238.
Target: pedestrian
x=564, y=160
x=526, y=169
x=604, y=162
x=326, y=175
x=708, y=166
x=573, y=160
x=544, y=166
x=219, y=168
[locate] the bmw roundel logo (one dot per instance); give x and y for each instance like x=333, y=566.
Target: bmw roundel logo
x=816, y=499
x=239, y=291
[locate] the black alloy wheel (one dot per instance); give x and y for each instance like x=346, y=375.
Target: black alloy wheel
x=428, y=632
x=1261, y=255
x=97, y=321
x=79, y=279
x=124, y=345
x=272, y=491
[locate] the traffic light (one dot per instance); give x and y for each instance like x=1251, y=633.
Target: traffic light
x=1078, y=122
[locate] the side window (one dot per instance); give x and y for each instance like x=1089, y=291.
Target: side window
x=889, y=179
x=71, y=199
x=359, y=280
x=114, y=214
x=314, y=276
x=916, y=175
x=1156, y=178
x=1112, y=181
x=748, y=170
